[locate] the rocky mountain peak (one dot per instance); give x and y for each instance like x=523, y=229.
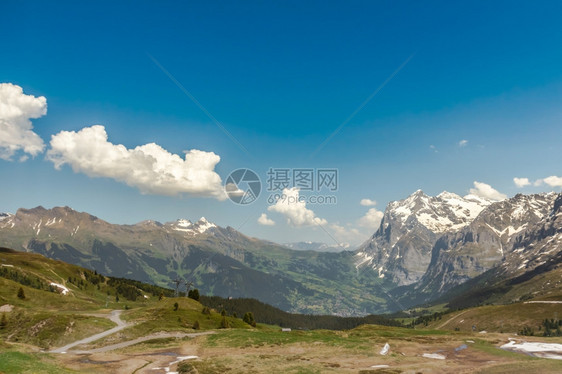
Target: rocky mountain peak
x=190, y=228
x=410, y=227
x=444, y=212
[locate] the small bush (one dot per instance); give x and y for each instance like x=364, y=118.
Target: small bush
x=21, y=294
x=3, y=322
x=186, y=368
x=196, y=325
x=176, y=307
x=249, y=319
x=206, y=311
x=224, y=323
x=193, y=294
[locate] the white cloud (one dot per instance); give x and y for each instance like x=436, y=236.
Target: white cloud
x=345, y=235
x=433, y=148
x=264, y=220
x=149, y=167
x=368, y=202
x=486, y=191
x=552, y=181
x=521, y=182
x=463, y=143
x=294, y=208
x=372, y=219
x=16, y=130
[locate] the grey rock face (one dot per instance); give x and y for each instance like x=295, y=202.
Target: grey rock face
x=485, y=243
x=401, y=247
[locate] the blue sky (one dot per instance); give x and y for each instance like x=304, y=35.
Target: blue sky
x=281, y=77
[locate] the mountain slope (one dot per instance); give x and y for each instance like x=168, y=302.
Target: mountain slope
x=401, y=247
x=220, y=261
x=485, y=243
x=493, y=268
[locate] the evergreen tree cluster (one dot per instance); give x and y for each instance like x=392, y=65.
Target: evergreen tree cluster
x=23, y=279
x=552, y=327
x=147, y=288
x=264, y=313
x=124, y=289
x=426, y=319
x=193, y=294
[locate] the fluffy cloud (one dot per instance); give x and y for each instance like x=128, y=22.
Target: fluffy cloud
x=368, y=202
x=264, y=220
x=521, y=182
x=486, y=191
x=149, y=167
x=463, y=143
x=16, y=130
x=343, y=236
x=294, y=208
x=372, y=219
x=552, y=181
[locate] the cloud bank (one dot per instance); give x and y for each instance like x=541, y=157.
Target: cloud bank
x=265, y=221
x=486, y=191
x=521, y=182
x=368, y=202
x=552, y=181
x=372, y=219
x=295, y=210
x=16, y=130
x=149, y=167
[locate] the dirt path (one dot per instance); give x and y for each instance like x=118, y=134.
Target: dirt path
x=543, y=302
x=115, y=316
x=450, y=319
x=158, y=335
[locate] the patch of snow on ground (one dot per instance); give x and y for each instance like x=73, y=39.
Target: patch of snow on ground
x=436, y=356
x=385, y=349
x=63, y=289
x=537, y=349
x=178, y=360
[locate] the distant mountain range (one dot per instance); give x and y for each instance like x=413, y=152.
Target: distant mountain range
x=219, y=261
x=430, y=245
x=316, y=246
x=426, y=249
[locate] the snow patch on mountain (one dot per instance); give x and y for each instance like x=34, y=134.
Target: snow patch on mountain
x=5, y=216
x=199, y=227
x=444, y=212
x=204, y=225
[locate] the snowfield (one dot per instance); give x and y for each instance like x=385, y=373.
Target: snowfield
x=537, y=349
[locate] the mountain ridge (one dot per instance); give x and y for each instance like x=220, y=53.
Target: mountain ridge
x=220, y=261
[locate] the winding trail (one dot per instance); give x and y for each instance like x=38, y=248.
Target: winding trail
x=450, y=319
x=157, y=335
x=115, y=316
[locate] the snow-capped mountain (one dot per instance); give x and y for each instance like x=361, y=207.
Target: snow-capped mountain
x=401, y=247
x=482, y=245
x=539, y=244
x=190, y=228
